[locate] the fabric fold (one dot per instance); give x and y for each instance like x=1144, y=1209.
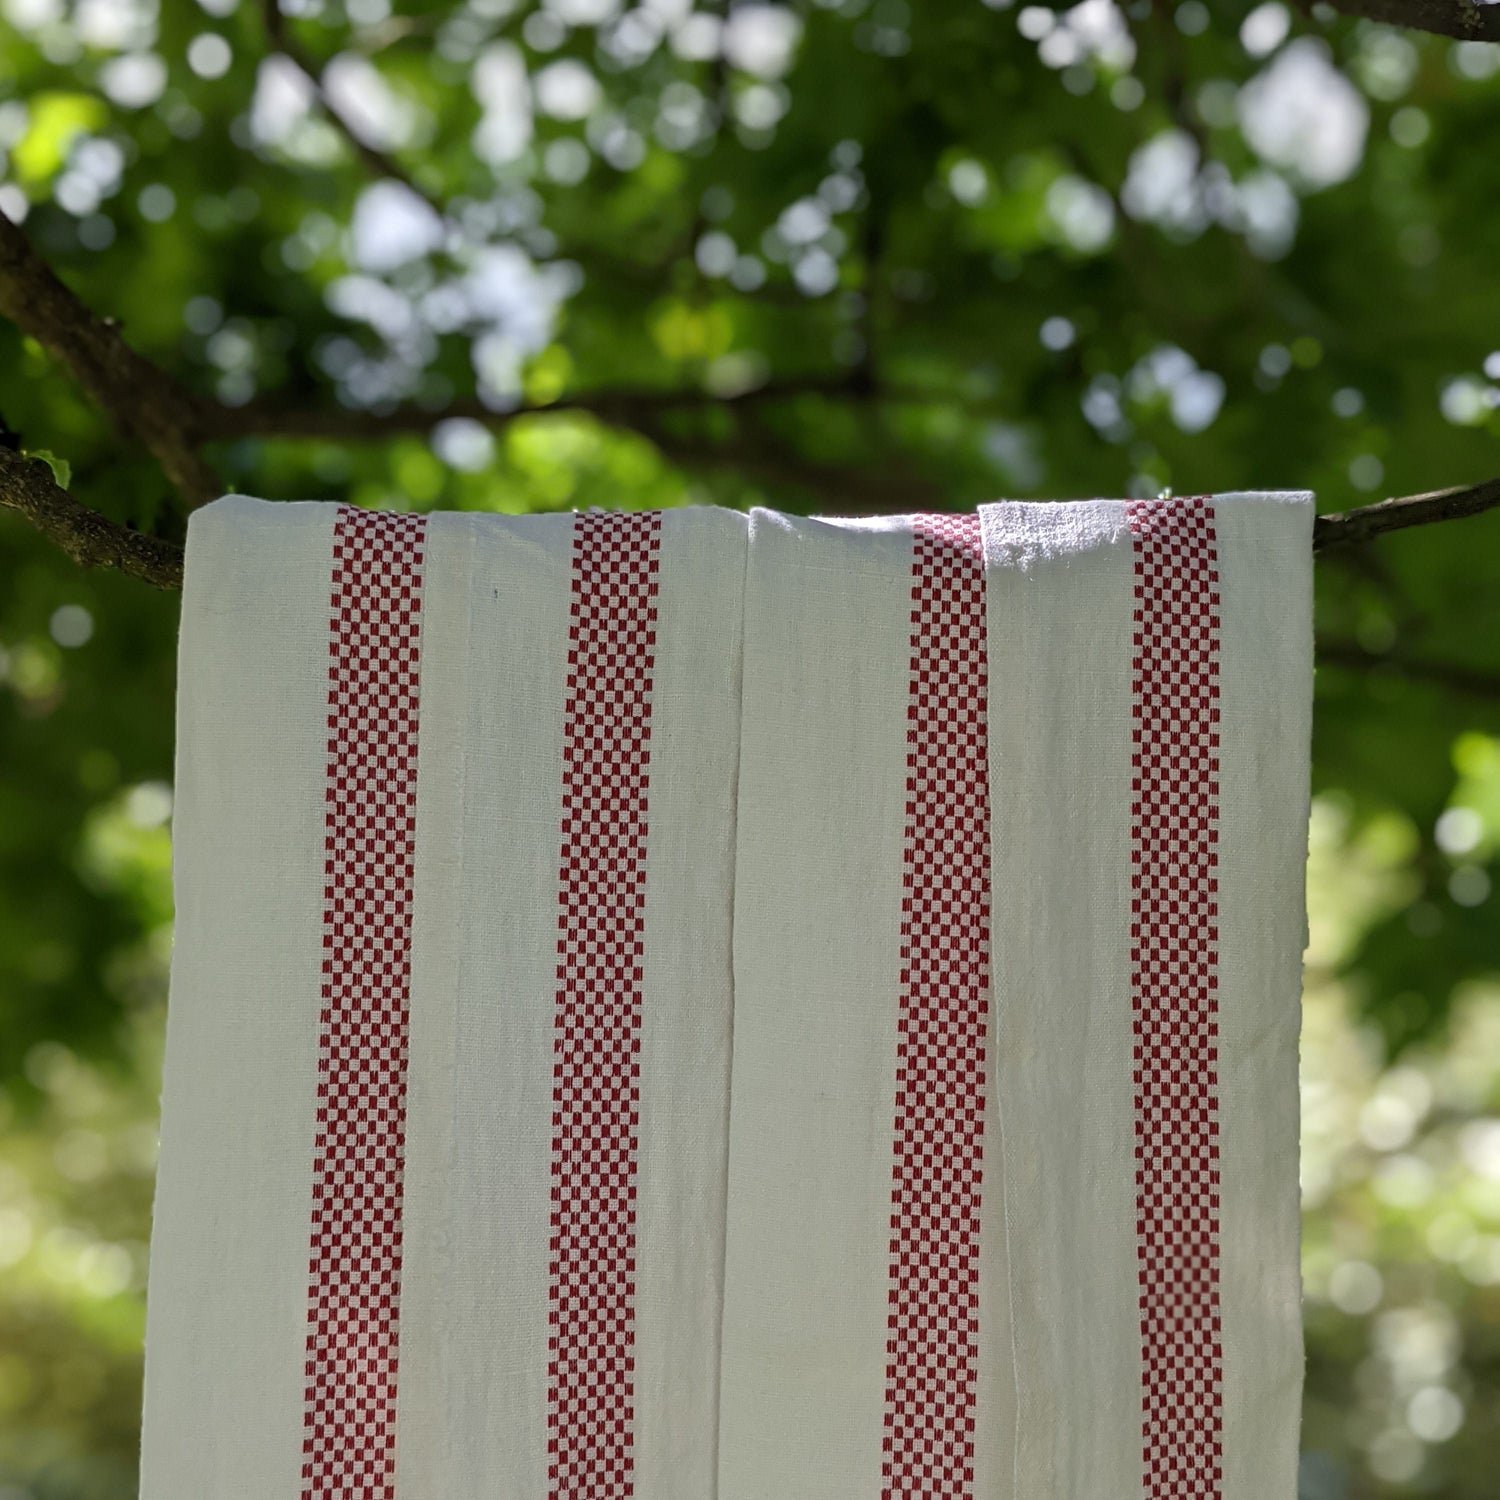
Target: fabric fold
x=859, y=1355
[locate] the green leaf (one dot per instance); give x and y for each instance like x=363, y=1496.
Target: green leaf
x=62, y=470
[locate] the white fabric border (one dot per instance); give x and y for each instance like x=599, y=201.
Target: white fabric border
x=226, y=1324
x=1265, y=675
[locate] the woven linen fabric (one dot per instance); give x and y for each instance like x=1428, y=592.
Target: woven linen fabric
x=692, y=1006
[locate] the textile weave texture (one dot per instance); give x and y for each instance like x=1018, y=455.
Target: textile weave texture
x=689, y=1005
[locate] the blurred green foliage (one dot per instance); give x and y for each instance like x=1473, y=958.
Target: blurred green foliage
x=1029, y=252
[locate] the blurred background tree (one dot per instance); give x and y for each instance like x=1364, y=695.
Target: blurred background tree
x=837, y=255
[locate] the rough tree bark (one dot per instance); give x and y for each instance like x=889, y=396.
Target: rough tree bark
x=1465, y=20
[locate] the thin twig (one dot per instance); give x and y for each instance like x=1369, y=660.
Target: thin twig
x=1169, y=42
x=379, y=162
x=1350, y=526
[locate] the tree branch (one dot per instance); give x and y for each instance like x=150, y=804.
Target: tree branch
x=622, y=408
x=1349, y=656
x=381, y=163
x=28, y=488
x=1350, y=526
x=144, y=400
x=1463, y=19
x=859, y=490
x=172, y=423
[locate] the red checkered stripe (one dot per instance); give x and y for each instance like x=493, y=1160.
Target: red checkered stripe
x=596, y=1069
x=1174, y=962
x=933, y=1297
x=349, y=1442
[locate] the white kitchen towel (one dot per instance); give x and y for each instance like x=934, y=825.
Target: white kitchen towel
x=1018, y=924
x=980, y=837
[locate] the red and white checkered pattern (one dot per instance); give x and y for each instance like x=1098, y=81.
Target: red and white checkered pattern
x=933, y=1320
x=596, y=1087
x=355, y=1270
x=718, y=1278
x=1174, y=963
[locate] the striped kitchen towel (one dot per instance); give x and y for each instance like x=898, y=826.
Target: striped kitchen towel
x=684, y=1005
x=1018, y=923
x=441, y=1197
